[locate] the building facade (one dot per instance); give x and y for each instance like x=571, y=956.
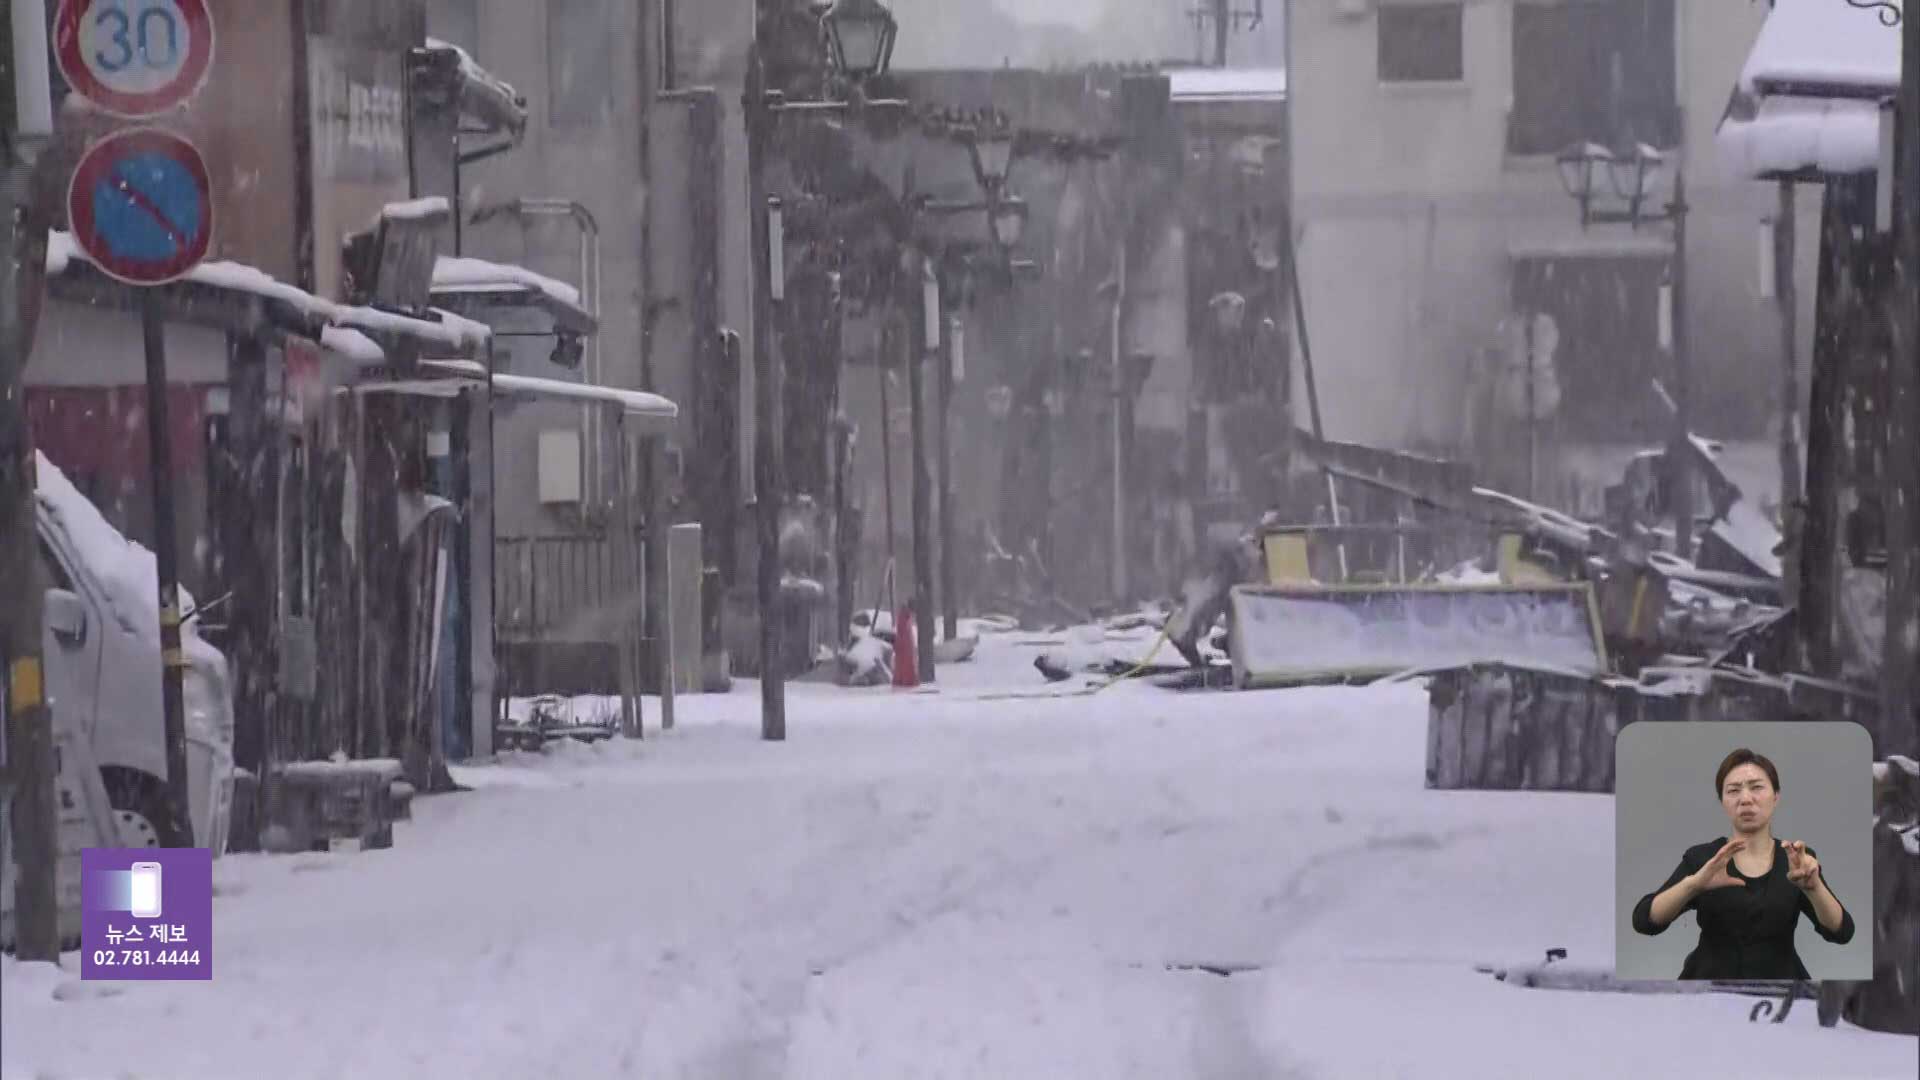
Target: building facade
x=1432, y=221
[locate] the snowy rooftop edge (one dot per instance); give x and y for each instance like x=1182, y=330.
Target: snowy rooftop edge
x=1820, y=43
x=633, y=402
x=455, y=273
x=452, y=331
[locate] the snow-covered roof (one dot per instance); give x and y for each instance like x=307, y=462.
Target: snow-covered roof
x=349, y=330
x=1786, y=136
x=451, y=274
x=1227, y=84
x=1819, y=48
x=353, y=345
x=632, y=402
x=1808, y=96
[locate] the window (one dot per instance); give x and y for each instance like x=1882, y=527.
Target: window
x=1421, y=43
x=579, y=60
x=1593, y=70
x=53, y=571
x=456, y=22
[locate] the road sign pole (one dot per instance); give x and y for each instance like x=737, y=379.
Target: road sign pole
x=173, y=659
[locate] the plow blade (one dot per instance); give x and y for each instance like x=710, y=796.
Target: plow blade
x=1292, y=634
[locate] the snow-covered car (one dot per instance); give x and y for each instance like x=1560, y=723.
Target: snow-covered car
x=102, y=652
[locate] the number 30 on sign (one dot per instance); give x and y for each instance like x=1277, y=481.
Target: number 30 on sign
x=134, y=58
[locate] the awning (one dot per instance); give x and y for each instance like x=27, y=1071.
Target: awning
x=242, y=298
x=1199, y=85
x=1801, y=137
x=1625, y=245
x=631, y=402
x=474, y=287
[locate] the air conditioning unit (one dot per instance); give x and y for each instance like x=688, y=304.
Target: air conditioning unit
x=559, y=467
x=1352, y=9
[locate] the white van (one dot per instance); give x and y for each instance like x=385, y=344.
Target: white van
x=102, y=650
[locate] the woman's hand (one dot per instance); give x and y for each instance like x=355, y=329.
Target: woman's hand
x=1802, y=868
x=1714, y=875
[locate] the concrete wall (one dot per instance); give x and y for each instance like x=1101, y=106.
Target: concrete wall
x=1411, y=210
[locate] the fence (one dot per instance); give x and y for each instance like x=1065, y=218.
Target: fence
x=1500, y=728
x=562, y=606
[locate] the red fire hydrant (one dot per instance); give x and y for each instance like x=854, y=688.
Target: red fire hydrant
x=906, y=658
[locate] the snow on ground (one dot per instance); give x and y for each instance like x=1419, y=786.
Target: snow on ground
x=956, y=883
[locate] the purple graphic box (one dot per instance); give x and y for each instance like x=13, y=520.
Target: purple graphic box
x=146, y=914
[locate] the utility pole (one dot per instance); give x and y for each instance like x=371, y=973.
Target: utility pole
x=1222, y=29
x=1118, y=386
x=29, y=758
x=949, y=602
x=922, y=337
x=766, y=401
x=1681, y=454
x=1903, y=413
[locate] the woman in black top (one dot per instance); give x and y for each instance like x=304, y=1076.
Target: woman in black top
x=1747, y=892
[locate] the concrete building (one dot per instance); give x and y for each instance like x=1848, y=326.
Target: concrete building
x=1430, y=211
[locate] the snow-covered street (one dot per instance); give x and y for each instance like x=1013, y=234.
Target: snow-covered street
x=940, y=884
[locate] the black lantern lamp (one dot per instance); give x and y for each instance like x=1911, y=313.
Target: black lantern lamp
x=1580, y=167
x=1634, y=176
x=860, y=36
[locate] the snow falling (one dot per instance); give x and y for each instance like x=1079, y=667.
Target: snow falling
x=892, y=538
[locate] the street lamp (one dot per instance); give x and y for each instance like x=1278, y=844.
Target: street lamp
x=1580, y=167
x=860, y=36
x=1633, y=176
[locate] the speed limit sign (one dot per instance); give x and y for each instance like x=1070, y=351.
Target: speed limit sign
x=134, y=58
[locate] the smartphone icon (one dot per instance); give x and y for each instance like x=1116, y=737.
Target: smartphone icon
x=146, y=890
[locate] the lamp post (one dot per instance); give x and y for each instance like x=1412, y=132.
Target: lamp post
x=859, y=36
x=1633, y=176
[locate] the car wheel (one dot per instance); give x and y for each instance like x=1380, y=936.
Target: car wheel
x=140, y=811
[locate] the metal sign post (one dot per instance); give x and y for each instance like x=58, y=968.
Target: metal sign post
x=141, y=207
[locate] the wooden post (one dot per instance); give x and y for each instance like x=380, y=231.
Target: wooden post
x=29, y=752
x=173, y=660
x=659, y=580
x=627, y=640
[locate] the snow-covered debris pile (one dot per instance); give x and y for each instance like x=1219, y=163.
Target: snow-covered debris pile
x=867, y=662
